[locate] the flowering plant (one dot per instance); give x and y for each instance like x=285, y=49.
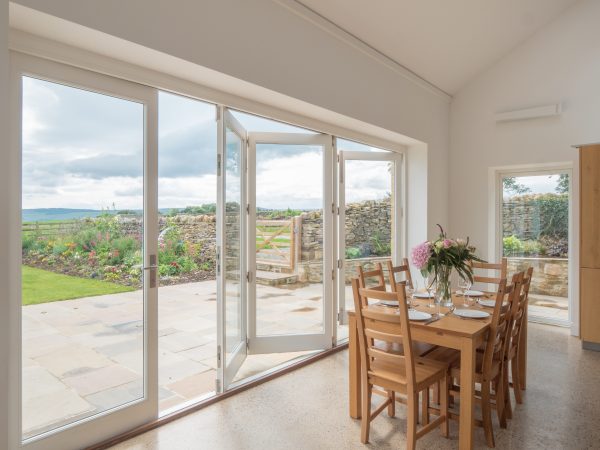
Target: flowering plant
x=441, y=256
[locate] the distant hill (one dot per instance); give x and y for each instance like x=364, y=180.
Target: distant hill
x=46, y=214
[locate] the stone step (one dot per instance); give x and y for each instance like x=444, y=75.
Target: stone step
x=275, y=278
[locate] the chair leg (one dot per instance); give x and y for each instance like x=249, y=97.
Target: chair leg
x=436, y=393
x=365, y=423
x=425, y=407
x=392, y=406
x=444, y=407
x=487, y=413
x=501, y=399
x=507, y=402
x=411, y=420
x=516, y=380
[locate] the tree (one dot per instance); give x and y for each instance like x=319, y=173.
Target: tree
x=562, y=185
x=511, y=186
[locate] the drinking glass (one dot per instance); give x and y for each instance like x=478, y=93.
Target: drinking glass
x=410, y=295
x=431, y=288
x=465, y=284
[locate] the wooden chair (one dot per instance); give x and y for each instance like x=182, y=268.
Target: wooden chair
x=406, y=374
x=502, y=267
x=490, y=362
x=376, y=274
x=511, y=357
x=393, y=270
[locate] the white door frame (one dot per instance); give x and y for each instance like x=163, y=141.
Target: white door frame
x=291, y=343
x=495, y=241
x=226, y=371
x=397, y=210
x=91, y=430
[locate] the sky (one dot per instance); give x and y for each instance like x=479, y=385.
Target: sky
x=85, y=150
x=538, y=184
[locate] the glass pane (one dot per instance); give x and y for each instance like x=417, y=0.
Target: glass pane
x=344, y=144
x=289, y=239
x=233, y=241
x=187, y=197
x=83, y=303
x=368, y=224
x=535, y=233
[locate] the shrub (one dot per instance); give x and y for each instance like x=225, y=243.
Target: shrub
x=512, y=245
x=353, y=253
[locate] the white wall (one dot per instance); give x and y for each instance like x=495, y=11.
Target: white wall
x=261, y=42
x=560, y=63
x=4, y=234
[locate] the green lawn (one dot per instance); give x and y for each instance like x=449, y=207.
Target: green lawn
x=41, y=286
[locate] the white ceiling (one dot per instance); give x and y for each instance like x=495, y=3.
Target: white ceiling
x=446, y=42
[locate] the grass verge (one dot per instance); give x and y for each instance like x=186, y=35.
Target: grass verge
x=42, y=286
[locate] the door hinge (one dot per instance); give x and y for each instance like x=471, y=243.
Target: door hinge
x=340, y=263
x=333, y=208
x=340, y=316
x=333, y=274
x=248, y=208
x=247, y=141
x=218, y=356
x=333, y=141
x=219, y=165
x=217, y=385
x=248, y=276
x=247, y=345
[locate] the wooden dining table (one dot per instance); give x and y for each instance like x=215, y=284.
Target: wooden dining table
x=450, y=331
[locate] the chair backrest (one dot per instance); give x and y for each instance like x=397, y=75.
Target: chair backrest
x=393, y=270
x=380, y=326
x=518, y=308
x=499, y=327
x=502, y=267
x=376, y=274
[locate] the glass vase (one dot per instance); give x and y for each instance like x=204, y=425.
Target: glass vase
x=444, y=291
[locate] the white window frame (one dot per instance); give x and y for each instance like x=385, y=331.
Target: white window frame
x=495, y=232
x=93, y=429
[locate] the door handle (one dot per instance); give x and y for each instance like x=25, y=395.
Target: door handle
x=153, y=269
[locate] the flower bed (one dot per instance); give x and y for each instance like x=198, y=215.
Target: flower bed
x=109, y=248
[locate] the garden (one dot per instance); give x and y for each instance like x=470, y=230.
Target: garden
x=108, y=248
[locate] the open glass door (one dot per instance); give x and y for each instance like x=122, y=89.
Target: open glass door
x=89, y=243
x=231, y=249
x=290, y=242
x=369, y=217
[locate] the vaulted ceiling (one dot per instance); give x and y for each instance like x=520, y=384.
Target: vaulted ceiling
x=446, y=42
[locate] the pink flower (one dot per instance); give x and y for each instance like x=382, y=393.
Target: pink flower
x=420, y=255
x=448, y=243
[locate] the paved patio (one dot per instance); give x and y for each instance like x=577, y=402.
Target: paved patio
x=85, y=356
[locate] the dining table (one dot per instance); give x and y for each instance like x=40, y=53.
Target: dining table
x=450, y=330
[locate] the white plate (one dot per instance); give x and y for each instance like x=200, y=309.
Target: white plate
x=471, y=313
x=388, y=303
x=488, y=303
x=423, y=295
x=413, y=314
x=474, y=293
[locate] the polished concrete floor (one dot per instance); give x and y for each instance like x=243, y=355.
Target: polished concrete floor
x=308, y=409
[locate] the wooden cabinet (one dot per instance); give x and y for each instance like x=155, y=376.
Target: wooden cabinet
x=589, y=249
x=590, y=304
x=589, y=163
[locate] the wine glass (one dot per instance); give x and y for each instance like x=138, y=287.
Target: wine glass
x=431, y=288
x=410, y=291
x=465, y=285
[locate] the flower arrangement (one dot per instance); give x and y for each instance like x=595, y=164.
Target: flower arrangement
x=440, y=257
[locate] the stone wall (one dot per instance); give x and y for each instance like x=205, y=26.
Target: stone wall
x=368, y=228
x=550, y=275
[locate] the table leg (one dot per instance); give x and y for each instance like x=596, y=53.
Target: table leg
x=467, y=394
x=354, y=365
